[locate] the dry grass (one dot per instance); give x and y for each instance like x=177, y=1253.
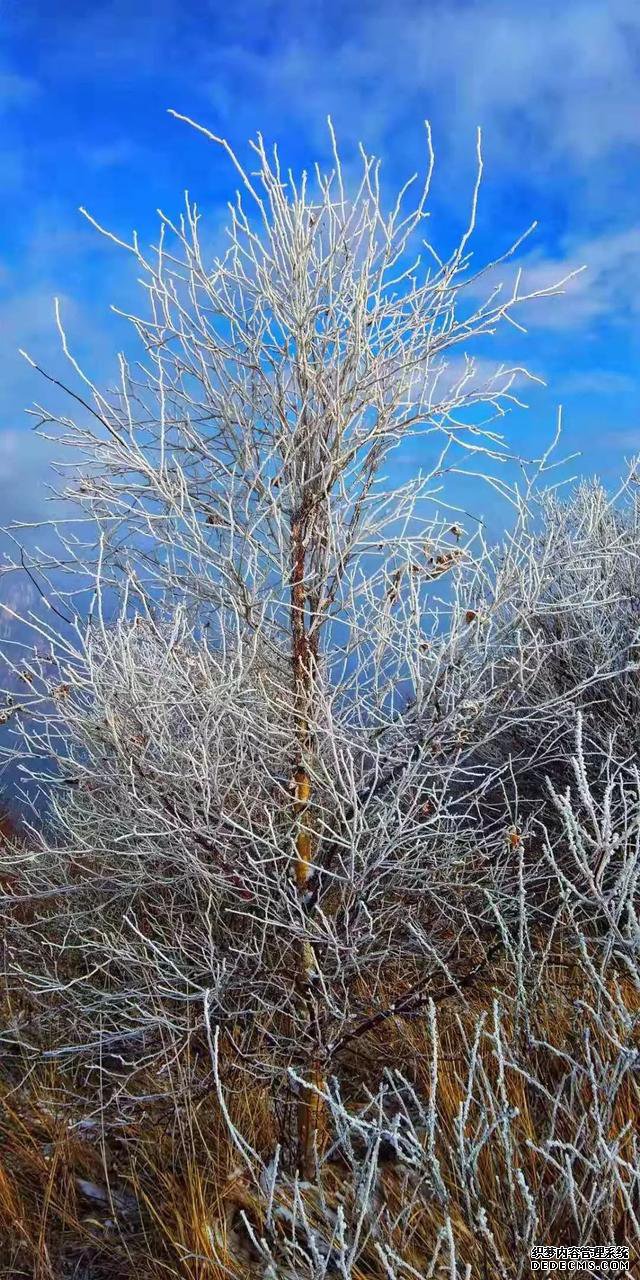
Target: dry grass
x=163, y=1195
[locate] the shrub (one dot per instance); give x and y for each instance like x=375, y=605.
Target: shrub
x=339, y=791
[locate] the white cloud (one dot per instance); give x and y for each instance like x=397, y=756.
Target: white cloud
x=608, y=290
x=27, y=321
x=602, y=282
x=554, y=83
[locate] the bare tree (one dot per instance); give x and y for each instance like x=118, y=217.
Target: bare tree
x=248, y=817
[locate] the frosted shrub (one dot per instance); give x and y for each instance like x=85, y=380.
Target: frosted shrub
x=309, y=780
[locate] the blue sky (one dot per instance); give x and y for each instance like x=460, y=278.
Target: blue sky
x=84, y=92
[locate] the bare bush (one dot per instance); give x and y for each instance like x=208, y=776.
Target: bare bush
x=312, y=775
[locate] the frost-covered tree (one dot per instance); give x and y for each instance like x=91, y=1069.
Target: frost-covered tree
x=271, y=753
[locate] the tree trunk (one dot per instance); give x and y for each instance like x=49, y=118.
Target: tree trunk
x=304, y=654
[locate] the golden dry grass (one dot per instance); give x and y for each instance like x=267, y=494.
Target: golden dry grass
x=174, y=1161
x=162, y=1195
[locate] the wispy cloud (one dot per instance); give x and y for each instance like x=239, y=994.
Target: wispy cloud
x=555, y=87
x=606, y=291
x=558, y=83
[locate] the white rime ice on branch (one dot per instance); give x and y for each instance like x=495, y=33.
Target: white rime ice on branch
x=320, y=753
